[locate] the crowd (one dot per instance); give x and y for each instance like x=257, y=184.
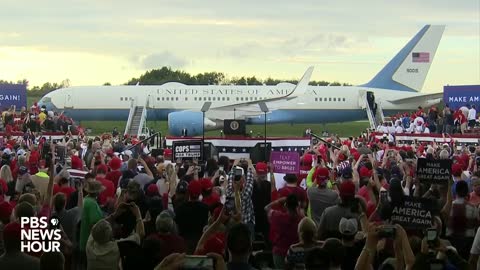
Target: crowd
x=446, y=121
x=36, y=119
x=121, y=208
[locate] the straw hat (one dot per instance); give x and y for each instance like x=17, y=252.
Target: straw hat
x=94, y=187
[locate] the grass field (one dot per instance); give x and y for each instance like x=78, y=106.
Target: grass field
x=276, y=130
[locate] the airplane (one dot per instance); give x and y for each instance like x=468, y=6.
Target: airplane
x=394, y=89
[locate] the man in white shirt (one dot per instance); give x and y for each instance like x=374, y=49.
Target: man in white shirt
x=391, y=128
x=398, y=128
x=472, y=116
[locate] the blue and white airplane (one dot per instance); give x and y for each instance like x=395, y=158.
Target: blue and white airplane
x=395, y=89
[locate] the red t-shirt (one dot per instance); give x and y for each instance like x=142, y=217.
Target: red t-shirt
x=286, y=231
x=109, y=191
x=114, y=176
x=363, y=192
x=67, y=190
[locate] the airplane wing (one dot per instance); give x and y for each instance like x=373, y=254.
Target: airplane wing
x=251, y=108
x=432, y=97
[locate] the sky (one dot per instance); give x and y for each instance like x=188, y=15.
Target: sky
x=92, y=42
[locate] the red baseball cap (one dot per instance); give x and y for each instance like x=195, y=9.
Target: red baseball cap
x=102, y=168
x=261, y=168
x=152, y=190
x=347, y=189
x=321, y=174
x=115, y=163
x=206, y=184
x=194, y=188
x=457, y=169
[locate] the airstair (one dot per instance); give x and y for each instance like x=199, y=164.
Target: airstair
x=375, y=116
x=136, y=119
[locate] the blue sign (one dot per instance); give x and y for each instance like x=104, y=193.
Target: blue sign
x=457, y=96
x=13, y=94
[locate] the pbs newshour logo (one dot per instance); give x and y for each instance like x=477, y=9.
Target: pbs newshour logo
x=38, y=234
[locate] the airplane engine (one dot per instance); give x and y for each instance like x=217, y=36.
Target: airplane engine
x=191, y=121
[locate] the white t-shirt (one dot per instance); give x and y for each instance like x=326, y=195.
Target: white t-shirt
x=399, y=129
x=391, y=129
x=472, y=114
x=426, y=130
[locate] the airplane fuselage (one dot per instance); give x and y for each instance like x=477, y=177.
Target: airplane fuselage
x=320, y=104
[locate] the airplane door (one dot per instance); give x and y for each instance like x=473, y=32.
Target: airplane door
x=361, y=99
x=68, y=101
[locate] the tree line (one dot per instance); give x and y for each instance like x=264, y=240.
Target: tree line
x=166, y=74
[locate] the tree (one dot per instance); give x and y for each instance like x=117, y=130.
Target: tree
x=107, y=84
x=335, y=84
x=253, y=81
x=270, y=81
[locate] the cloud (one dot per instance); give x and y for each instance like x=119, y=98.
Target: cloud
x=198, y=21
x=166, y=58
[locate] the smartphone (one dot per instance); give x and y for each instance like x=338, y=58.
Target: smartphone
x=220, y=168
x=198, y=263
x=384, y=197
x=238, y=173
x=229, y=205
x=387, y=232
x=432, y=236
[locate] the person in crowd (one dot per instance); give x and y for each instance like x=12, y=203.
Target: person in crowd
x=349, y=206
x=307, y=231
x=351, y=240
x=240, y=187
x=13, y=258
x=239, y=245
x=91, y=212
x=164, y=241
x=472, y=117
x=107, y=195
x=101, y=249
x=192, y=210
x=261, y=197
x=320, y=197
x=462, y=219
x=286, y=224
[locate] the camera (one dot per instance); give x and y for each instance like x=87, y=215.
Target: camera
x=387, y=232
x=238, y=173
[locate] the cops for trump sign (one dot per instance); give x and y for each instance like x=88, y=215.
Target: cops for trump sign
x=187, y=150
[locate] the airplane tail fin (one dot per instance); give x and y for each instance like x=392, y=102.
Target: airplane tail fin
x=409, y=68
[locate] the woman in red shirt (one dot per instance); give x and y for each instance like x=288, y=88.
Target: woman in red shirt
x=286, y=224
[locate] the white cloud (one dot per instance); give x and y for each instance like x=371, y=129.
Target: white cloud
x=166, y=58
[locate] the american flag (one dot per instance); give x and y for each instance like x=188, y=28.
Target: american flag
x=420, y=57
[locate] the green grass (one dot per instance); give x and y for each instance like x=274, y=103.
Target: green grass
x=276, y=130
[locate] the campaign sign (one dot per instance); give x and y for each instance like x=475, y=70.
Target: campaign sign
x=285, y=162
x=13, y=94
x=457, y=96
x=187, y=150
x=434, y=171
x=414, y=213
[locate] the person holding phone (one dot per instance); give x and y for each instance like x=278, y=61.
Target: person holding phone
x=240, y=185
